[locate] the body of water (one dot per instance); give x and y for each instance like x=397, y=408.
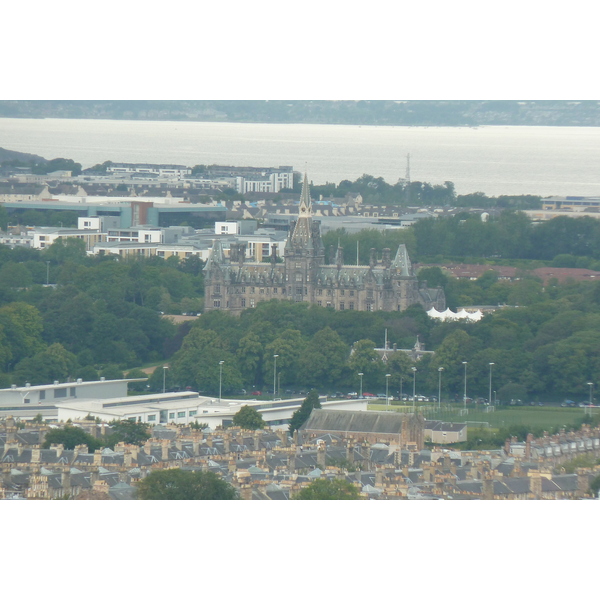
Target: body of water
x=544, y=161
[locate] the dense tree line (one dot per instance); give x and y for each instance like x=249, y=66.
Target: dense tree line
x=375, y=190
x=546, y=349
x=571, y=242
x=98, y=316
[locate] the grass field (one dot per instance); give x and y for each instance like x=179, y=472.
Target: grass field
x=546, y=417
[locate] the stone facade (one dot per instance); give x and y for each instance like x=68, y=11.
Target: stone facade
x=234, y=284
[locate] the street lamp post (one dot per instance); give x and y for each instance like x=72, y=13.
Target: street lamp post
x=220, y=378
x=47, y=272
x=361, y=376
x=387, y=395
x=440, y=389
x=414, y=370
x=275, y=375
x=591, y=390
x=164, y=379
x=490, y=398
x=401, y=399
x=465, y=393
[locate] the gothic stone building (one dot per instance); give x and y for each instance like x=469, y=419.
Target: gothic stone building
x=233, y=283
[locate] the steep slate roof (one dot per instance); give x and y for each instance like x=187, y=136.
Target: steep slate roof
x=354, y=421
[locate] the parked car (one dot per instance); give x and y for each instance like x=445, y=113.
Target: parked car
x=256, y=393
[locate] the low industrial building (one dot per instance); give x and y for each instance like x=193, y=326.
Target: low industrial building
x=184, y=408
x=28, y=401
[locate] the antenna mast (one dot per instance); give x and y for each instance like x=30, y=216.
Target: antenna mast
x=407, y=179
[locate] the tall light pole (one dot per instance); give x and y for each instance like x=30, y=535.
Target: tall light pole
x=401, y=399
x=490, y=398
x=220, y=378
x=414, y=370
x=275, y=375
x=465, y=394
x=591, y=389
x=361, y=376
x=47, y=272
x=164, y=379
x=440, y=388
x=387, y=394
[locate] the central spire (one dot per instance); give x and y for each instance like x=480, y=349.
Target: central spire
x=305, y=203
x=302, y=235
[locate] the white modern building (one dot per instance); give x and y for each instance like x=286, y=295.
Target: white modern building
x=29, y=400
x=178, y=171
x=183, y=408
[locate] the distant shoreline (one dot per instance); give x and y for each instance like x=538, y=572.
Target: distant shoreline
x=376, y=113
x=149, y=120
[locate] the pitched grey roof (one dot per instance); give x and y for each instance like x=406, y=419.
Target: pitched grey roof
x=354, y=421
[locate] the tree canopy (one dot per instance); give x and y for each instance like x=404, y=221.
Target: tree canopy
x=177, y=484
x=248, y=418
x=326, y=489
x=300, y=416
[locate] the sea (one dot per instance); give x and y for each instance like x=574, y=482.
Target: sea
x=498, y=160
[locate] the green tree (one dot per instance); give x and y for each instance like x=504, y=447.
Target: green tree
x=196, y=364
x=248, y=418
x=55, y=363
x=324, y=358
x=300, y=416
x=176, y=484
x=249, y=354
x=70, y=436
x=325, y=489
x=127, y=431
x=365, y=360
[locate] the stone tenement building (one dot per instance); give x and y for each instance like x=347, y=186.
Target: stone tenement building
x=234, y=284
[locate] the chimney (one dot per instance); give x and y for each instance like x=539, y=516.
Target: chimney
x=321, y=455
x=227, y=443
x=379, y=477
x=507, y=446
x=583, y=482
x=165, y=444
x=474, y=471
x=387, y=258
x=246, y=492
x=488, y=487
x=283, y=436
x=66, y=480
x=98, y=458
x=257, y=438
x=535, y=483
x=292, y=461
x=35, y=454
x=446, y=462
x=366, y=452
x=350, y=452
x=372, y=258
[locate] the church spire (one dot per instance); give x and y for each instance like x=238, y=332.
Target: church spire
x=302, y=235
x=305, y=203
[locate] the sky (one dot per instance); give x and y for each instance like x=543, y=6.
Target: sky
x=325, y=49
x=328, y=50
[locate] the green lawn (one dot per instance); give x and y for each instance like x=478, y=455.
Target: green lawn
x=534, y=416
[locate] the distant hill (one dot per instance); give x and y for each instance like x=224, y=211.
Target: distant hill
x=11, y=155
x=464, y=113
